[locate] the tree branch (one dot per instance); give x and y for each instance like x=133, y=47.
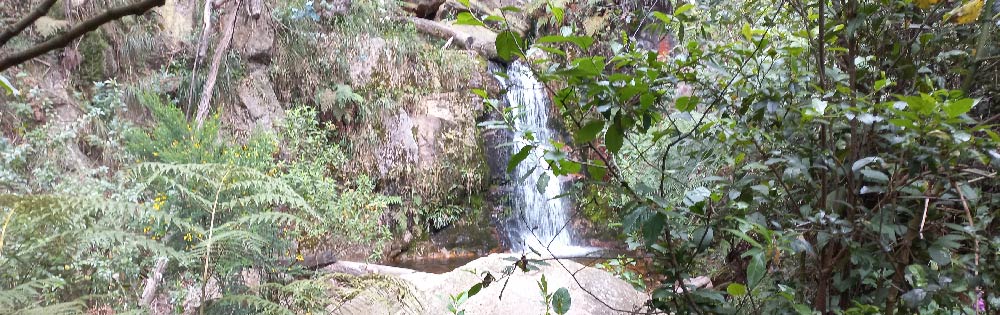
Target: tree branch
x=22, y=24
x=77, y=31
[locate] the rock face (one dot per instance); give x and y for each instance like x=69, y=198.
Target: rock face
x=521, y=296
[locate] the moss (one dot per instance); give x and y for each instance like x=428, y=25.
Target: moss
x=92, y=49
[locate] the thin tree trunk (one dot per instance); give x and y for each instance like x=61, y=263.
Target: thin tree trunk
x=153, y=282
x=213, y=72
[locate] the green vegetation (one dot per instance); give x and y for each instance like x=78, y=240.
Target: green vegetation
x=810, y=159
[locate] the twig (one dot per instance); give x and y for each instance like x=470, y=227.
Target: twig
x=927, y=202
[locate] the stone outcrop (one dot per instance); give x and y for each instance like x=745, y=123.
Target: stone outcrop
x=425, y=293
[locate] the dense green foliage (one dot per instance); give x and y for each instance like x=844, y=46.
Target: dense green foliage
x=840, y=167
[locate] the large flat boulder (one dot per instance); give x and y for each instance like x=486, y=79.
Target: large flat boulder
x=522, y=295
x=593, y=291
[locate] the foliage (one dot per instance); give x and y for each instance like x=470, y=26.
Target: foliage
x=353, y=211
x=854, y=177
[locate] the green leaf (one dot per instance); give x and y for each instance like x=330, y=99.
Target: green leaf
x=687, y=103
x=862, y=162
x=508, y=45
x=915, y=297
x=518, y=157
x=916, y=103
x=613, y=138
x=464, y=2
x=959, y=107
x=881, y=84
x=695, y=196
x=652, y=229
x=480, y=93
x=466, y=18
x=561, y=301
x=940, y=255
x=702, y=237
x=736, y=289
x=597, y=171
x=589, y=131
x=584, y=42
x=683, y=8
x=9, y=87
x=475, y=289
x=557, y=12
x=756, y=270
x=542, y=183
x=666, y=19
x=875, y=176
x=510, y=8
x=570, y=167
x=803, y=309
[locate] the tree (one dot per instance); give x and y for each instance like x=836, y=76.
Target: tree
x=831, y=169
x=64, y=39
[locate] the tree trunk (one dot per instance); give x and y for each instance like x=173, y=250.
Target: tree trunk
x=213, y=72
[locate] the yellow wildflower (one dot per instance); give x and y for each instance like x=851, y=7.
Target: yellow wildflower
x=299, y=257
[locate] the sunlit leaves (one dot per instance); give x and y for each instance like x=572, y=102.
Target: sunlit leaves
x=508, y=45
x=589, y=131
x=518, y=157
x=466, y=18
x=687, y=103
x=736, y=289
x=959, y=107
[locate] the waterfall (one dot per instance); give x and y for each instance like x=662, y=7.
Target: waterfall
x=540, y=218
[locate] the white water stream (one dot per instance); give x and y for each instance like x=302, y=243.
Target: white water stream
x=541, y=218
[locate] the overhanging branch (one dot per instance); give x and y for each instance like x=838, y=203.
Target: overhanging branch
x=22, y=24
x=78, y=30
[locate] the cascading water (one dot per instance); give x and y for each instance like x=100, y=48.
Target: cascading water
x=539, y=219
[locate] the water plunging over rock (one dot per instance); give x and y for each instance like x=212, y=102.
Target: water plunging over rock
x=540, y=219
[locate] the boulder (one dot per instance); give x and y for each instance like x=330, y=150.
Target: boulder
x=391, y=290
x=254, y=39
x=522, y=295
x=258, y=107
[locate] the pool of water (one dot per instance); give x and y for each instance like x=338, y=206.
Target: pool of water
x=434, y=265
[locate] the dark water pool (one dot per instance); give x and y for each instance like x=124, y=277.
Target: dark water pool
x=434, y=265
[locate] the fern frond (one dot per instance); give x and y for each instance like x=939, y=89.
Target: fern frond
x=26, y=293
x=64, y=308
x=273, y=218
x=116, y=238
x=252, y=302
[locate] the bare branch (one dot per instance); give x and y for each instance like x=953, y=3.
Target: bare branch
x=77, y=31
x=19, y=27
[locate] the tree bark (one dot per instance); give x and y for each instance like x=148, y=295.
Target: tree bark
x=77, y=31
x=153, y=282
x=213, y=72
